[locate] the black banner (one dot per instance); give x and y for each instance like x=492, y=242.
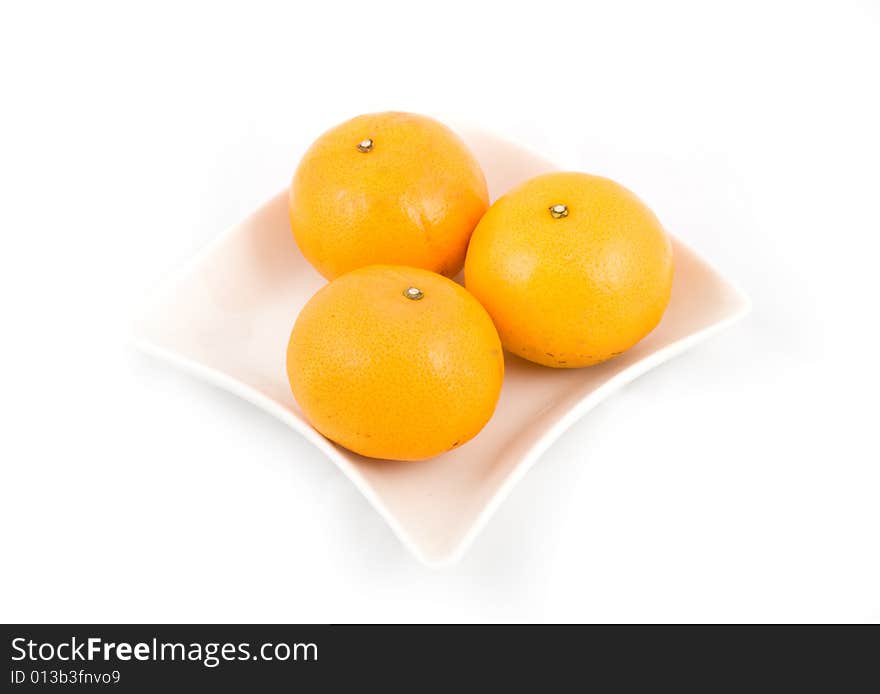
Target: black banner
x=144, y=658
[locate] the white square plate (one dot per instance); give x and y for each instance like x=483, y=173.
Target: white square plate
x=227, y=318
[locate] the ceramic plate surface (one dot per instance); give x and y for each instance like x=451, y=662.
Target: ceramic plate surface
x=227, y=317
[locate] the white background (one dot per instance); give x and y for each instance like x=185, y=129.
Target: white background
x=739, y=482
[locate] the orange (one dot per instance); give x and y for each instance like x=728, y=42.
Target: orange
x=574, y=269
x=395, y=362
x=392, y=188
